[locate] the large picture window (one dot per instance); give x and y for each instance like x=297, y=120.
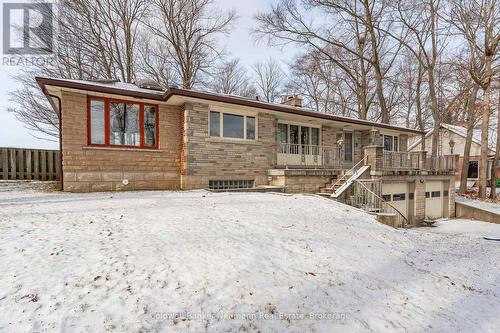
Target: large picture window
x=118, y=123
x=235, y=126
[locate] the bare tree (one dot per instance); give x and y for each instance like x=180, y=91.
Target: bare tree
x=187, y=29
x=496, y=159
x=479, y=25
x=232, y=78
x=353, y=31
x=269, y=79
x=471, y=121
x=110, y=30
x=425, y=39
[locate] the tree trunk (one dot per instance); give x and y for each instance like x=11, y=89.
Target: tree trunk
x=435, y=115
x=376, y=64
x=468, y=140
x=494, y=166
x=485, y=124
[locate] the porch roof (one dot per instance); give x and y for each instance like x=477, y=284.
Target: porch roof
x=132, y=90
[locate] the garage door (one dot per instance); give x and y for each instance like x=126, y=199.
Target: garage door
x=434, y=199
x=397, y=195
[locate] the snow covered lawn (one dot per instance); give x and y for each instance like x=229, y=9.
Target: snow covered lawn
x=235, y=262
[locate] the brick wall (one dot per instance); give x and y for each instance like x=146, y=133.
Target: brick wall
x=209, y=158
x=97, y=169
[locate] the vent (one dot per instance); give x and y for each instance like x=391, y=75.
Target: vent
x=149, y=84
x=230, y=184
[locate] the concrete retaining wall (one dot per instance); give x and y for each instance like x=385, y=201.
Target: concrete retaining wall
x=470, y=212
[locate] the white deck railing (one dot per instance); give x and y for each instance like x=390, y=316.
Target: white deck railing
x=297, y=155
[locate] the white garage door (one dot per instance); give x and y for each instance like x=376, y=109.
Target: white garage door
x=397, y=195
x=434, y=199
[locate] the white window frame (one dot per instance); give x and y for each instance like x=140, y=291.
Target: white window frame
x=392, y=139
x=300, y=125
x=234, y=113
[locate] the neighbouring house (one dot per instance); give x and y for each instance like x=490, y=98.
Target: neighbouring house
x=452, y=141
x=122, y=136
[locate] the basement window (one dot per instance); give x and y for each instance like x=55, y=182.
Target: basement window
x=230, y=184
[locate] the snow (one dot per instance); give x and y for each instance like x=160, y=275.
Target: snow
x=235, y=262
x=484, y=205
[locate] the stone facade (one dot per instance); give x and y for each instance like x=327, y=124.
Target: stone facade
x=103, y=169
x=209, y=158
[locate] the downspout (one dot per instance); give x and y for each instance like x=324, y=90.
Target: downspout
x=60, y=140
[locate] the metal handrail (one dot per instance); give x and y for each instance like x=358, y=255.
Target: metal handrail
x=347, y=173
x=401, y=216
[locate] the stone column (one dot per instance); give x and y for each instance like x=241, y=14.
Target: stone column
x=419, y=201
x=373, y=157
x=451, y=197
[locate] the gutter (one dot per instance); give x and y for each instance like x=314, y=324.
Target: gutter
x=60, y=139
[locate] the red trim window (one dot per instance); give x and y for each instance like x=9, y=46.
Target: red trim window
x=120, y=123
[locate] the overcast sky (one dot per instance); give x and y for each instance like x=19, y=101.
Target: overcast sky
x=240, y=44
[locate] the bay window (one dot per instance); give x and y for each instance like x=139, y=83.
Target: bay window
x=117, y=123
x=234, y=126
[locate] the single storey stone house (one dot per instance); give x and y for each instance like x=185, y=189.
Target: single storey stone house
x=122, y=136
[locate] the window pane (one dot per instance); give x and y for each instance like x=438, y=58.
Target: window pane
x=214, y=124
x=282, y=133
x=315, y=136
x=150, y=126
x=304, y=135
x=233, y=126
x=250, y=128
x=294, y=134
x=396, y=143
x=436, y=194
x=124, y=124
x=399, y=197
x=348, y=146
x=386, y=197
x=97, y=122
x=388, y=142
x=473, y=169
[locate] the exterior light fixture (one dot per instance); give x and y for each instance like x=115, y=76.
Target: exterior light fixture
x=452, y=145
x=340, y=143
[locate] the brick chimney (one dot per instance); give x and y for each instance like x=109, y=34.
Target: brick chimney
x=294, y=100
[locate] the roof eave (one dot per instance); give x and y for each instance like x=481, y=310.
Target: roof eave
x=44, y=82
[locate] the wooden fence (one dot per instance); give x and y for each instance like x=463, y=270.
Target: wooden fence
x=29, y=164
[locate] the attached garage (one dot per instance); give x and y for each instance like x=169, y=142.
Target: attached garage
x=397, y=195
x=436, y=199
